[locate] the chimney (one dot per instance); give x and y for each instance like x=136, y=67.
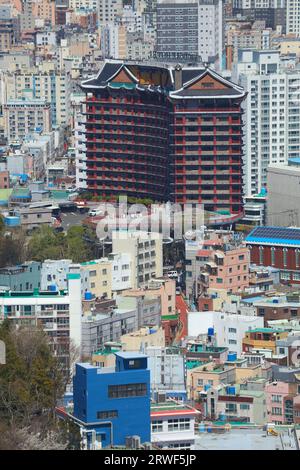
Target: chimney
x=178, y=77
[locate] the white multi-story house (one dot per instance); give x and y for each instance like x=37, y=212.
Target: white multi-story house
x=272, y=114
x=229, y=329
x=173, y=425
x=23, y=117
x=145, y=252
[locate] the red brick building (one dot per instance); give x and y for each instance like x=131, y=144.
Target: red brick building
x=278, y=247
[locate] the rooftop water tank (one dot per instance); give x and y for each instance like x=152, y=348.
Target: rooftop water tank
x=52, y=288
x=231, y=356
x=210, y=331
x=88, y=295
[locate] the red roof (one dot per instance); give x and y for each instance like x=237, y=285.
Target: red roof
x=204, y=253
x=191, y=412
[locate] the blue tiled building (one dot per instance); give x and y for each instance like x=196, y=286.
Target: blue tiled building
x=115, y=402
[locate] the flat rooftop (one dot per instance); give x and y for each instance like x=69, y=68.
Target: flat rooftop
x=274, y=236
x=243, y=439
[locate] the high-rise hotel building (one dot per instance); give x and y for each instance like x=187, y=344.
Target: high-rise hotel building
x=167, y=133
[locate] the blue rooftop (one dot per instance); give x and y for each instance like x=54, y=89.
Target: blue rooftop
x=130, y=355
x=253, y=299
x=274, y=235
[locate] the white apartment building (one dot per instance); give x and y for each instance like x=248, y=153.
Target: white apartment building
x=173, y=425
x=167, y=368
x=120, y=271
x=51, y=86
x=272, y=114
x=22, y=117
x=211, y=30
x=145, y=252
x=116, y=276
x=58, y=313
x=229, y=329
x=293, y=17
x=108, y=10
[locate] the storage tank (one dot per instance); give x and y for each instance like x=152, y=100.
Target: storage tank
x=232, y=356
x=12, y=220
x=88, y=295
x=52, y=288
x=210, y=331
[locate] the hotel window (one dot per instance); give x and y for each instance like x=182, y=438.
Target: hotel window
x=272, y=256
x=276, y=411
x=285, y=257
x=156, y=426
x=261, y=255
x=297, y=252
x=276, y=398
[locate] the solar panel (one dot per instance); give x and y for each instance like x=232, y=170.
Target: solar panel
x=276, y=232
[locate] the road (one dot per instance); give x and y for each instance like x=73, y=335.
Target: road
x=69, y=219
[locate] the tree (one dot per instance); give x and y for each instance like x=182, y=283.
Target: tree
x=77, y=248
x=46, y=244
x=31, y=381
x=13, y=248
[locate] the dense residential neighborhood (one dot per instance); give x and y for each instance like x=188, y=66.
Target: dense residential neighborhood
x=149, y=225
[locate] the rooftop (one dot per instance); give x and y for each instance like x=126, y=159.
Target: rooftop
x=169, y=408
x=274, y=236
x=265, y=330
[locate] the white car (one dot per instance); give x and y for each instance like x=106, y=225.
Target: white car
x=94, y=212
x=173, y=274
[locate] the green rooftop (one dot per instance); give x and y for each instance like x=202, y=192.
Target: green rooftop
x=59, y=194
x=106, y=352
x=36, y=293
x=200, y=348
x=168, y=406
x=193, y=364
x=169, y=317
x=265, y=330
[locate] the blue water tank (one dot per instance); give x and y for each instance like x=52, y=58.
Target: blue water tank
x=207, y=387
x=230, y=390
x=12, y=221
x=152, y=330
x=210, y=331
x=201, y=427
x=209, y=429
x=231, y=356
x=88, y=295
x=222, y=417
x=52, y=288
